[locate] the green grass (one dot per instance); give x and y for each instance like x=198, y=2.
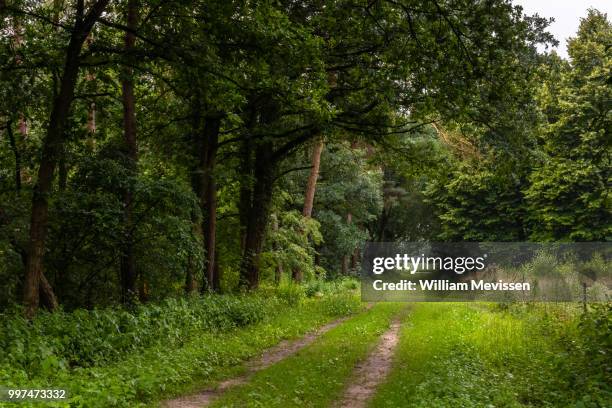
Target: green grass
x=450, y=354
x=477, y=355
x=157, y=372
x=317, y=375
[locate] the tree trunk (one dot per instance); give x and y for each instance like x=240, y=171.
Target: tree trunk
x=16, y=153
x=211, y=133
x=204, y=185
x=143, y=291
x=52, y=145
x=309, y=196
x=312, y=178
x=246, y=188
x=129, y=274
x=257, y=215
x=47, y=297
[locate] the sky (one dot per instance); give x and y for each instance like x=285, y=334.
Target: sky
x=566, y=13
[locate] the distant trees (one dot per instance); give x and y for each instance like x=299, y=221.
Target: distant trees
x=569, y=195
x=545, y=174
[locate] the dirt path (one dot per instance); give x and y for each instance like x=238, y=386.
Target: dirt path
x=370, y=373
x=271, y=356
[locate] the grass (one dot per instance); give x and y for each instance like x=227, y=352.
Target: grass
x=449, y=355
x=476, y=355
x=317, y=375
x=144, y=377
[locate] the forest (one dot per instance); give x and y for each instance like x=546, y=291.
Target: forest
x=185, y=185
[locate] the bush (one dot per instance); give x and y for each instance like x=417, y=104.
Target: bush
x=93, y=337
x=319, y=287
x=290, y=293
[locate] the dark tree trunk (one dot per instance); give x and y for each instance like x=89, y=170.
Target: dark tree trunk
x=47, y=297
x=63, y=172
x=16, y=153
x=205, y=187
x=382, y=224
x=296, y=274
x=129, y=274
x=317, y=256
x=52, y=145
x=257, y=215
x=246, y=188
x=143, y=291
x=211, y=133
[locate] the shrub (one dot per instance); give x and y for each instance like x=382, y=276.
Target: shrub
x=92, y=337
x=290, y=293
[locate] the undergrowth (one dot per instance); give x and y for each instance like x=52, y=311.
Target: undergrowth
x=126, y=358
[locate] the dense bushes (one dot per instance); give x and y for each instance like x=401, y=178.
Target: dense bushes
x=591, y=349
x=86, y=338
x=122, y=358
x=569, y=354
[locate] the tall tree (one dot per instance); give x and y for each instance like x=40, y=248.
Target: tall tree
x=311, y=185
x=129, y=273
x=309, y=196
x=569, y=195
x=51, y=150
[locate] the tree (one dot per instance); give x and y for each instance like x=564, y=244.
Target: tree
x=129, y=274
x=52, y=145
x=569, y=194
x=309, y=195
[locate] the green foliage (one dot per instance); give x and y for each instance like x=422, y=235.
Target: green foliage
x=569, y=192
x=569, y=200
x=292, y=244
x=409, y=162
x=85, y=338
x=589, y=346
x=121, y=358
x=349, y=188
x=320, y=287
x=291, y=293
x=475, y=355
x=478, y=203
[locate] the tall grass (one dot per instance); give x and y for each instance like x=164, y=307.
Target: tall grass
x=523, y=355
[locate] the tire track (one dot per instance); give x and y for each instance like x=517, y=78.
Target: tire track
x=270, y=357
x=371, y=372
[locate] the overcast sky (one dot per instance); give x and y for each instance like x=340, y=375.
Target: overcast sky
x=566, y=13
